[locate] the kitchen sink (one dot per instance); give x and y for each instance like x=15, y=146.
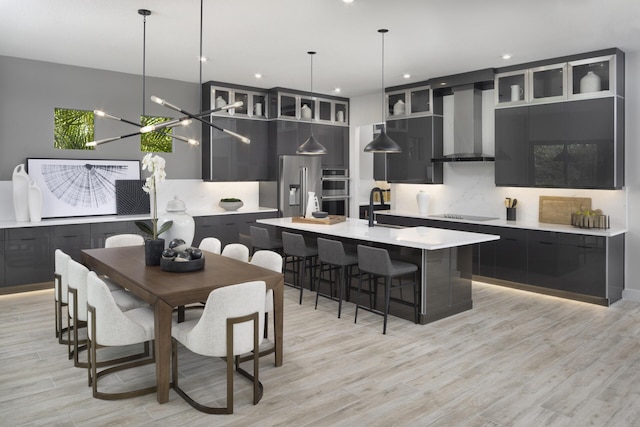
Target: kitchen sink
x=464, y=216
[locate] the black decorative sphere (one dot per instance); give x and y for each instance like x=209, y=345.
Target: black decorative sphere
x=168, y=253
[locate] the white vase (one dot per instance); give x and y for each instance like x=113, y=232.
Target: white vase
x=183, y=227
x=35, y=202
x=423, y=202
x=312, y=205
x=21, y=193
x=590, y=83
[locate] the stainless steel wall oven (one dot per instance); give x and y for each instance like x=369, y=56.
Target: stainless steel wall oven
x=335, y=191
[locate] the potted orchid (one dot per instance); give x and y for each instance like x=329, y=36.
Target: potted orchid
x=153, y=245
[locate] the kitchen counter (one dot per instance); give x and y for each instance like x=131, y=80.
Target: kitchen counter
x=444, y=258
x=115, y=218
x=540, y=226
x=411, y=237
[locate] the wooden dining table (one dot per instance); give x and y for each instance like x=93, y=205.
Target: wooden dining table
x=165, y=291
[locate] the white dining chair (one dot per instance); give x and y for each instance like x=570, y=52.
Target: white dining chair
x=230, y=325
x=211, y=244
x=110, y=326
x=237, y=251
x=61, y=291
x=77, y=310
x=119, y=240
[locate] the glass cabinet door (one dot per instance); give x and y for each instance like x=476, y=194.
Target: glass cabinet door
x=324, y=111
x=512, y=88
x=548, y=83
x=220, y=98
x=420, y=100
x=288, y=106
x=593, y=77
x=341, y=112
x=307, y=108
x=396, y=104
x=242, y=97
x=258, y=107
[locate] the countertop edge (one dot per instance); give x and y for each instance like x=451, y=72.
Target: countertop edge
x=538, y=226
x=117, y=218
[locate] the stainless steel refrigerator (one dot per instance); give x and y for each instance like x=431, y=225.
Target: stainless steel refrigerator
x=298, y=175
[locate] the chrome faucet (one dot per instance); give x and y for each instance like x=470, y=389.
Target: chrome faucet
x=373, y=190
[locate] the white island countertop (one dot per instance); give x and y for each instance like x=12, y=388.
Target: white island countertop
x=412, y=237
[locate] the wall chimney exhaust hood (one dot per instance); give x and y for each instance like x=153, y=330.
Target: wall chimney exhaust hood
x=467, y=117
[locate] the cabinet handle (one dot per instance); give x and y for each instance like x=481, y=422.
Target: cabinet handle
x=28, y=238
x=546, y=243
x=511, y=239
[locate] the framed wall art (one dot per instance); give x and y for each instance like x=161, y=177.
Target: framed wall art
x=72, y=187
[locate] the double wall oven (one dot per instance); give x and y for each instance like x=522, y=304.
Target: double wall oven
x=335, y=191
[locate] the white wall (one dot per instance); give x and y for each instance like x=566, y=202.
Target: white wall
x=469, y=187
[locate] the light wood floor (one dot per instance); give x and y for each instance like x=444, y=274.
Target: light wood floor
x=516, y=359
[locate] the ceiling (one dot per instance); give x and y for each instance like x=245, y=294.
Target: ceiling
x=427, y=38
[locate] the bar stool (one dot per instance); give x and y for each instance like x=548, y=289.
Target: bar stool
x=377, y=263
x=260, y=240
x=331, y=253
x=303, y=256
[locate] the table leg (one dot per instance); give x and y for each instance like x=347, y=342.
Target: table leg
x=278, y=317
x=162, y=349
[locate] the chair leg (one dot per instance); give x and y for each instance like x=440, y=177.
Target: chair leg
x=301, y=271
x=387, y=300
x=340, y=279
x=355, y=320
x=416, y=298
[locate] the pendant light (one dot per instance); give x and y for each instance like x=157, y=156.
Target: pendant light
x=199, y=116
x=311, y=147
x=383, y=143
x=173, y=123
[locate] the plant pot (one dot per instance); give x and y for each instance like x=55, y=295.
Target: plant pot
x=153, y=251
x=231, y=206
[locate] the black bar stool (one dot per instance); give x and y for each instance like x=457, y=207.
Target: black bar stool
x=331, y=254
x=260, y=239
x=377, y=263
x=303, y=256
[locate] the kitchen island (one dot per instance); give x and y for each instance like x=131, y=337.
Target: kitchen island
x=444, y=257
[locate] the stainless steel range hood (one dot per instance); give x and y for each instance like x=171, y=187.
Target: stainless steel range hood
x=467, y=126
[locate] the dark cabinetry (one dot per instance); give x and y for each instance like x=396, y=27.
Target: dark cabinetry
x=71, y=239
x=566, y=144
x=568, y=262
x=101, y=230
x=584, y=267
x=226, y=158
x=2, y=258
x=227, y=228
x=285, y=136
x=27, y=257
x=420, y=139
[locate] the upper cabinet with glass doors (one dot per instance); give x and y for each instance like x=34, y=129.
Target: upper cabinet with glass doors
x=253, y=102
x=308, y=107
x=411, y=102
x=587, y=76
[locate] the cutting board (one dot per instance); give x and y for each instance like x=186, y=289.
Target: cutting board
x=558, y=210
x=330, y=220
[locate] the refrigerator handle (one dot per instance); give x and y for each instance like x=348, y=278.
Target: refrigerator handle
x=304, y=174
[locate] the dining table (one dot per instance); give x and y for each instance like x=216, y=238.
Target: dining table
x=166, y=291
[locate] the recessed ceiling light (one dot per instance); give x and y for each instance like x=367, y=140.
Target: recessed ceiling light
x=406, y=76
x=506, y=56
x=202, y=58
x=257, y=75
x=443, y=83
x=347, y=1
x=337, y=90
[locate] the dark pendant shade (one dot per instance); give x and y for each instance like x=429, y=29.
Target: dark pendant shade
x=383, y=144
x=311, y=147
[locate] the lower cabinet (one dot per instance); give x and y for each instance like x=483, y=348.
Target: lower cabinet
x=227, y=228
x=591, y=268
x=27, y=257
x=2, y=258
x=101, y=230
x=568, y=262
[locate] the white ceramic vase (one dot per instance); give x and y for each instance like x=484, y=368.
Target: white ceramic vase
x=35, y=202
x=183, y=227
x=305, y=112
x=21, y=193
x=423, y=202
x=590, y=83
x=312, y=205
x=398, y=107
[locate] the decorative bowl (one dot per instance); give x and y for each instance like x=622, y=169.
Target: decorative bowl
x=230, y=206
x=320, y=214
x=181, y=266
